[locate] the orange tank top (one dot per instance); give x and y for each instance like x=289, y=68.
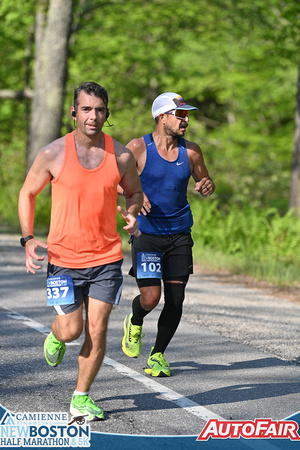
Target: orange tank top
x=83, y=227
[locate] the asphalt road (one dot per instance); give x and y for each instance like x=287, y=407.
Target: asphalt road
x=231, y=357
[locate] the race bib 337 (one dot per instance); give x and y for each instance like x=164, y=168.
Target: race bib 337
x=60, y=290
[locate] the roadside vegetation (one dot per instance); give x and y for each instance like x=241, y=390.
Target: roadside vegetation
x=246, y=240
x=236, y=60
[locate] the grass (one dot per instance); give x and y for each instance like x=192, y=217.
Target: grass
x=272, y=272
x=258, y=243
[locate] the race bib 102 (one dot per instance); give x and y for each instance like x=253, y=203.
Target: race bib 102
x=60, y=290
x=149, y=265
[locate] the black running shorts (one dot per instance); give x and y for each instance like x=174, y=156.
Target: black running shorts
x=176, y=253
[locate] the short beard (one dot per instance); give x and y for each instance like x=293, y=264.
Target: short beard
x=172, y=133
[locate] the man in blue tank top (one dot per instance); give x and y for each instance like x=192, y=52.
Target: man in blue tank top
x=163, y=252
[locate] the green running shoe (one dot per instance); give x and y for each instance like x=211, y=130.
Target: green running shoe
x=131, y=342
x=54, y=350
x=157, y=365
x=83, y=405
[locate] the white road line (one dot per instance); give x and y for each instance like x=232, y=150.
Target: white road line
x=181, y=401
x=26, y=321
x=32, y=324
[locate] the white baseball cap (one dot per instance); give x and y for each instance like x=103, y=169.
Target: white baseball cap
x=167, y=102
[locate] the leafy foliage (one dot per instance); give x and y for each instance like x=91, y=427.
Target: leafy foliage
x=235, y=60
x=247, y=234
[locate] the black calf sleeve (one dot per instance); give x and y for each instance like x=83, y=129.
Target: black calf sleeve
x=138, y=312
x=170, y=316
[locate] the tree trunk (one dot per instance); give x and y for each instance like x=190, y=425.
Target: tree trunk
x=53, y=25
x=16, y=95
x=295, y=180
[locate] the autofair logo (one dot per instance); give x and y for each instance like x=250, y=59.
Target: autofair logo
x=257, y=429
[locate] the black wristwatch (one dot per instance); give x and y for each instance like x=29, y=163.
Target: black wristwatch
x=24, y=240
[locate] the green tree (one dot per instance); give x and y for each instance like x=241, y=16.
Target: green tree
x=53, y=25
x=295, y=178
x=237, y=61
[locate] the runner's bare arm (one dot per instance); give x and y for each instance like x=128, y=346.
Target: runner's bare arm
x=37, y=178
x=204, y=184
x=131, y=185
x=138, y=148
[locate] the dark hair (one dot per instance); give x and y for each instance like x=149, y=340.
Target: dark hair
x=90, y=88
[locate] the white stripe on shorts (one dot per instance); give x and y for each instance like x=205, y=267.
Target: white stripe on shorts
x=59, y=310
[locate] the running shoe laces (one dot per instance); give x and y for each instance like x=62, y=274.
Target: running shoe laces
x=157, y=365
x=131, y=343
x=54, y=350
x=83, y=405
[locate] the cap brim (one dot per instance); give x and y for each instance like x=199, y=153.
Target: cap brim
x=186, y=107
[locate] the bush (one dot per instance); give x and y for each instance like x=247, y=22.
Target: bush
x=255, y=241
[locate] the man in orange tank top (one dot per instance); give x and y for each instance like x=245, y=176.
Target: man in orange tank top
x=84, y=248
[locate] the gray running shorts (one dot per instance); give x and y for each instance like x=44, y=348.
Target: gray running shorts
x=103, y=283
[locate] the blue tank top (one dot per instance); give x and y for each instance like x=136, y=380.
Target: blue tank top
x=165, y=184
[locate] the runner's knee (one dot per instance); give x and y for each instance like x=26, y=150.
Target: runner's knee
x=150, y=297
x=67, y=330
x=174, y=294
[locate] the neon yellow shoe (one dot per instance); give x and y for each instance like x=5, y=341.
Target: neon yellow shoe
x=83, y=405
x=131, y=342
x=54, y=350
x=157, y=365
